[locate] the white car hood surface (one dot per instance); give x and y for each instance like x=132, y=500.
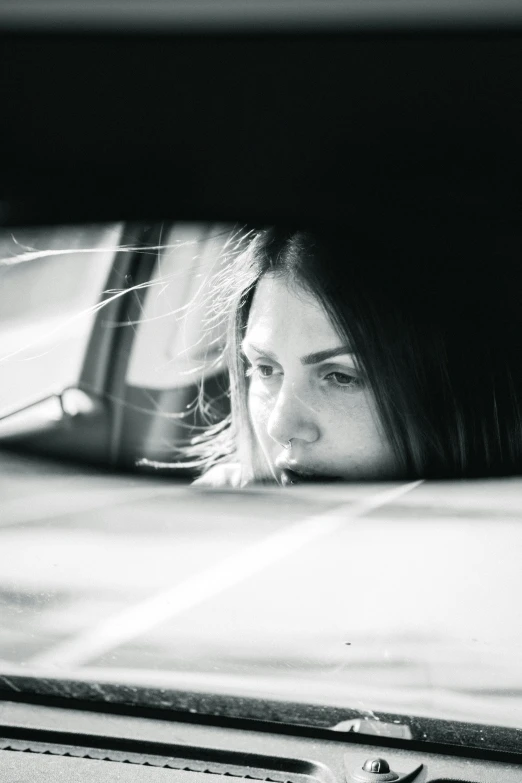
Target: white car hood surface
x=391, y=597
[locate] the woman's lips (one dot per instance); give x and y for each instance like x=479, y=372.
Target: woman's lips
x=291, y=477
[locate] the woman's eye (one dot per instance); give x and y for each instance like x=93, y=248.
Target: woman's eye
x=343, y=379
x=262, y=370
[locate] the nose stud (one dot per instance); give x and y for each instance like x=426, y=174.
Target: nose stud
x=287, y=444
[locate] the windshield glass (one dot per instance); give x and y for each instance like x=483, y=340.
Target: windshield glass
x=283, y=505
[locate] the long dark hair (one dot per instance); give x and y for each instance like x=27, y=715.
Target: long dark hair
x=438, y=333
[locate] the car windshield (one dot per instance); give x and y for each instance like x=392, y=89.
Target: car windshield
x=144, y=545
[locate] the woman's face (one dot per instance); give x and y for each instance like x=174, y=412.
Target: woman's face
x=311, y=410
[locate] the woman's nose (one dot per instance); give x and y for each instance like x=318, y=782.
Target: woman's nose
x=292, y=417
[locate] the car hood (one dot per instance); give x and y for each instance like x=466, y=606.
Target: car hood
x=379, y=598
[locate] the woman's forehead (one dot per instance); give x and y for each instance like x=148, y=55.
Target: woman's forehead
x=282, y=311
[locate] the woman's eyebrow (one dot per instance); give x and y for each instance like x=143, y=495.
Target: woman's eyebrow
x=245, y=346
x=310, y=358
x=321, y=356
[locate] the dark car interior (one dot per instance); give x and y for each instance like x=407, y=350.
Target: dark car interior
x=400, y=120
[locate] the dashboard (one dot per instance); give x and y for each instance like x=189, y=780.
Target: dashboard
x=44, y=742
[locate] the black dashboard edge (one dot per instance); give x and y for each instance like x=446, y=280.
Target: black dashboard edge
x=455, y=738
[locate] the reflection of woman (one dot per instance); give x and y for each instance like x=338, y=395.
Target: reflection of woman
x=348, y=362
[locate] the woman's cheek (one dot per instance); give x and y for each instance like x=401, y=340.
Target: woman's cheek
x=259, y=408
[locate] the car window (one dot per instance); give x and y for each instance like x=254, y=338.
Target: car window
x=178, y=333
x=50, y=280
x=176, y=381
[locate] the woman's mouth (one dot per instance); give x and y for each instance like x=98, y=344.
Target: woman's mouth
x=292, y=477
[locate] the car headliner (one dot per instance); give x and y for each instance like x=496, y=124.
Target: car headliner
x=275, y=15
x=415, y=126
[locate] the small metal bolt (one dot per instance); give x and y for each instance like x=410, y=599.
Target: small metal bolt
x=379, y=766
